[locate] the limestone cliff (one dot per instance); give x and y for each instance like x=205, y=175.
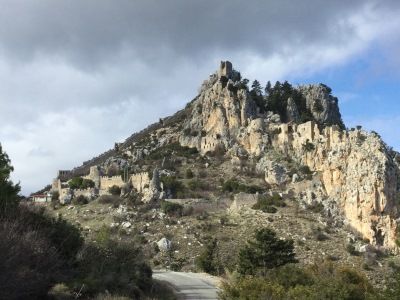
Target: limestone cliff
x=358, y=174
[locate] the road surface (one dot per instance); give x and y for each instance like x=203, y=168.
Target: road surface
x=190, y=285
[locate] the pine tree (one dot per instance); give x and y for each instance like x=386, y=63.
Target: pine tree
x=256, y=88
x=8, y=190
x=265, y=252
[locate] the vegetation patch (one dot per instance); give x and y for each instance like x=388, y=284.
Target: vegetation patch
x=235, y=186
x=268, y=204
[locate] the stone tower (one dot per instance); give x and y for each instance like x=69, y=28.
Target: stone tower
x=225, y=69
x=155, y=181
x=94, y=175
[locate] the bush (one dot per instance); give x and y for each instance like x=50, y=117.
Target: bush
x=80, y=200
x=55, y=195
x=115, y=201
x=234, y=186
x=114, y=190
x=172, y=209
x=319, y=281
x=268, y=203
x=189, y=174
x=29, y=263
x=265, y=251
x=207, y=261
x=352, y=250
x=308, y=146
x=80, y=183
x=123, y=269
x=174, y=186
x=37, y=251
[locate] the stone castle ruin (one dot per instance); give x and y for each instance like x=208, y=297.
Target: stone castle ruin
x=141, y=182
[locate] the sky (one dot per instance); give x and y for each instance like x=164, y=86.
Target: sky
x=77, y=76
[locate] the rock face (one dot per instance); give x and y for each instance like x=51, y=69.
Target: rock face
x=357, y=172
x=323, y=106
x=218, y=114
x=358, y=176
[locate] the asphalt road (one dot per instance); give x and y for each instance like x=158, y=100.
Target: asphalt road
x=190, y=285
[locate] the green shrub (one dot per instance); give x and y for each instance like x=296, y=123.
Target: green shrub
x=80, y=183
x=172, y=209
x=352, y=250
x=174, y=148
x=173, y=185
x=265, y=251
x=122, y=269
x=110, y=199
x=114, y=190
x=37, y=252
x=247, y=288
x=55, y=195
x=234, y=186
x=80, y=200
x=308, y=146
x=207, y=261
x=319, y=281
x=305, y=170
x=268, y=203
x=189, y=174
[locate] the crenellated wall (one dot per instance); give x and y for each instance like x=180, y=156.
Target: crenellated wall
x=140, y=180
x=107, y=182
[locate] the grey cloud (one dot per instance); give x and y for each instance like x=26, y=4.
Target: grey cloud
x=93, y=33
x=76, y=76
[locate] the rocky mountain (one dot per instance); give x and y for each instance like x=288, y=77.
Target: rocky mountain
x=293, y=137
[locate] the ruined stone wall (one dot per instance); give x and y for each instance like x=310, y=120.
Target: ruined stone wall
x=140, y=181
x=107, y=182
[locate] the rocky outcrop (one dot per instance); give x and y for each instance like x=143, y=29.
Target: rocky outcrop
x=219, y=113
x=358, y=176
x=323, y=106
x=357, y=173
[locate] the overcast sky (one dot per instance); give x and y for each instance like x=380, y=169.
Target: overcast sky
x=77, y=76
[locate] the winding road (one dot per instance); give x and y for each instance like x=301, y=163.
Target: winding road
x=190, y=285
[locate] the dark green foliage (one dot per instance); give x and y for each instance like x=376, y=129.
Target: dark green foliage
x=318, y=106
x=63, y=235
x=277, y=99
x=196, y=184
x=265, y=251
x=308, y=146
x=322, y=281
x=75, y=183
x=37, y=251
x=234, y=186
x=267, y=203
x=8, y=190
x=172, y=209
x=352, y=250
x=207, y=261
x=110, y=199
x=173, y=185
x=256, y=94
x=55, y=195
x=80, y=200
x=305, y=170
x=116, y=267
x=189, y=174
x=114, y=190
x=87, y=183
x=80, y=183
x=174, y=148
